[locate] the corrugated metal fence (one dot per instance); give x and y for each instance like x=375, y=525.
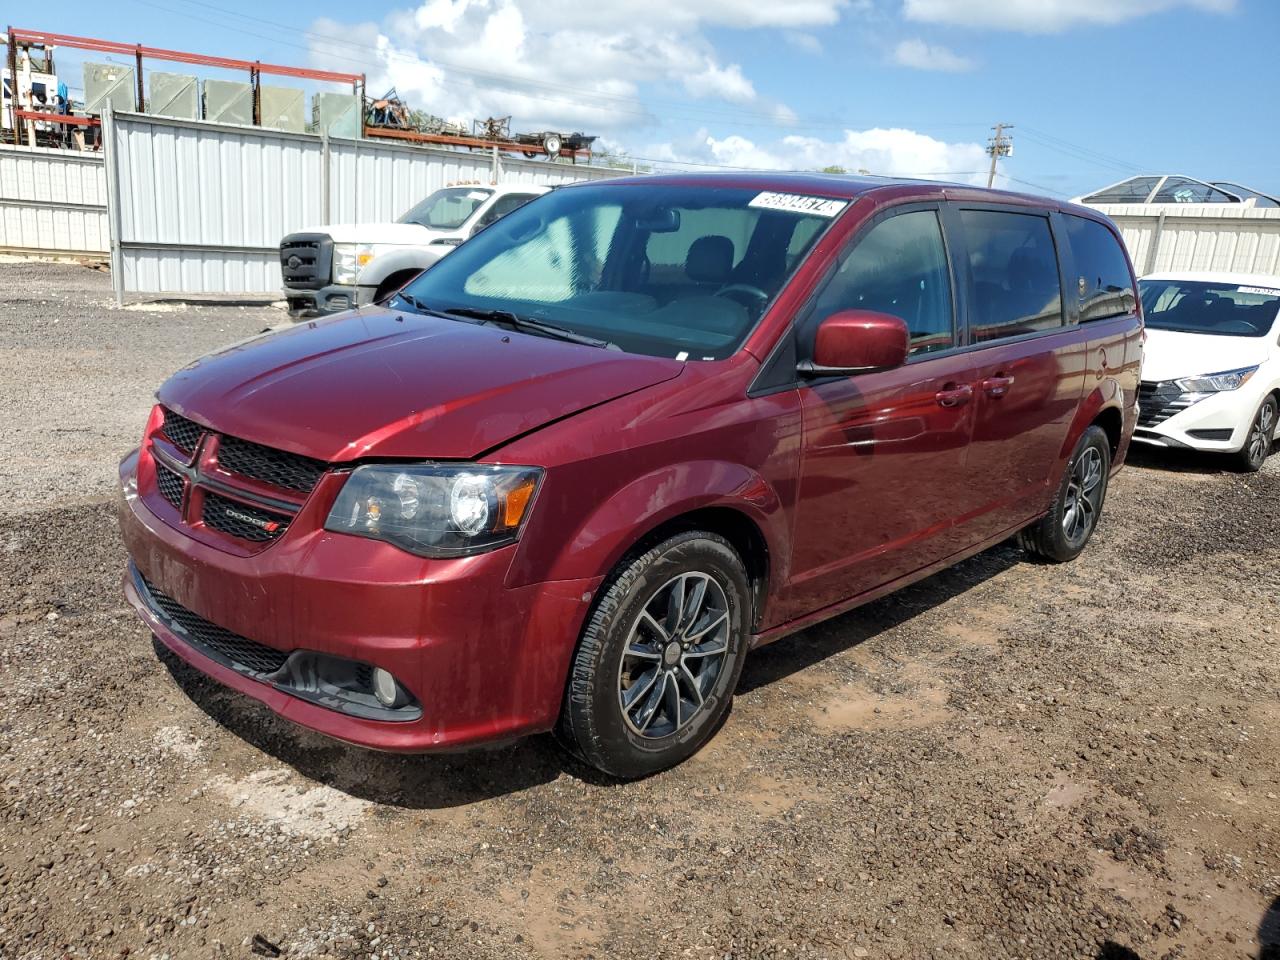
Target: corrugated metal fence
x=1218, y=236
x=52, y=202
x=201, y=207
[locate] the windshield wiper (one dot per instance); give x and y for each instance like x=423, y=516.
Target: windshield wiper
x=517, y=322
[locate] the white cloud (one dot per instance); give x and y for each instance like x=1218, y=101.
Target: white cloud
x=1046, y=16
x=885, y=152
x=918, y=55
x=805, y=42
x=563, y=63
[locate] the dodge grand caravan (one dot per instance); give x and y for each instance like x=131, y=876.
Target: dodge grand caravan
x=569, y=476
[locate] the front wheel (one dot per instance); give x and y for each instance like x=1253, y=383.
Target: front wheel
x=1062, y=533
x=660, y=656
x=1257, y=445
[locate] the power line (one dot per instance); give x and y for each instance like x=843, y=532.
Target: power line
x=1086, y=154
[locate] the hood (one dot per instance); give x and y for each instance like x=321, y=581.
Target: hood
x=377, y=383
x=1170, y=355
x=408, y=234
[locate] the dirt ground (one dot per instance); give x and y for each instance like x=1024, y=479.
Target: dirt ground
x=1007, y=760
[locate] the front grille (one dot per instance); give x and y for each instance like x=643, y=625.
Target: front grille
x=1161, y=400
x=289, y=470
x=306, y=260
x=241, y=651
x=170, y=485
x=182, y=433
x=241, y=520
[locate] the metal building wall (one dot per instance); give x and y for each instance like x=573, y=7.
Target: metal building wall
x=200, y=208
x=52, y=202
x=1210, y=236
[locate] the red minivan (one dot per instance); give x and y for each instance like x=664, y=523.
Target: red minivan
x=566, y=478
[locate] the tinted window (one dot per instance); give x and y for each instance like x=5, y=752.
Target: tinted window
x=1014, y=268
x=447, y=209
x=1105, y=287
x=672, y=271
x=1201, y=306
x=1130, y=191
x=1260, y=199
x=1182, y=190
x=899, y=267
x=502, y=206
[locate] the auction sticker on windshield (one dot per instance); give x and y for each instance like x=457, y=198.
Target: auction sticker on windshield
x=1265, y=291
x=798, y=203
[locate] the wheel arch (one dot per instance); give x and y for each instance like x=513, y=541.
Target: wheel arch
x=724, y=498
x=735, y=526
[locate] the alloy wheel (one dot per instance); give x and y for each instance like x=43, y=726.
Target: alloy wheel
x=675, y=651
x=1084, y=495
x=1264, y=426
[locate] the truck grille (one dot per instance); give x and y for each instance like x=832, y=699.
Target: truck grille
x=1161, y=400
x=241, y=520
x=248, y=655
x=170, y=485
x=182, y=433
x=306, y=260
x=195, y=485
x=289, y=470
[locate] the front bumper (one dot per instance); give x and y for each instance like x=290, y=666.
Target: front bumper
x=484, y=662
x=333, y=298
x=1218, y=422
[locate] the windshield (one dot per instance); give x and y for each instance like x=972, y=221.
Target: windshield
x=670, y=271
x=1199, y=306
x=447, y=209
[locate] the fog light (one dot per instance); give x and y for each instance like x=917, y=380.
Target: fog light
x=385, y=687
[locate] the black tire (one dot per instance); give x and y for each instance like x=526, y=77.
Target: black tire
x=393, y=283
x=1061, y=534
x=595, y=725
x=1257, y=442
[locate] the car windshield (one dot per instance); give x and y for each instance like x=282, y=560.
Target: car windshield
x=671, y=271
x=447, y=209
x=1200, y=306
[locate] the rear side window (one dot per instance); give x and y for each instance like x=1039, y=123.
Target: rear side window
x=1014, y=269
x=898, y=267
x=1104, y=282
x=502, y=206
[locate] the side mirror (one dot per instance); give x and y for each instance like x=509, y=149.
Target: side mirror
x=857, y=341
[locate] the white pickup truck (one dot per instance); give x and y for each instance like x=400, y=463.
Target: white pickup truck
x=334, y=268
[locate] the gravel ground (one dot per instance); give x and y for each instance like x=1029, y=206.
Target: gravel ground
x=1007, y=760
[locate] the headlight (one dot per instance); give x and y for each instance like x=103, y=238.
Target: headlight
x=436, y=510
x=350, y=258
x=1216, y=382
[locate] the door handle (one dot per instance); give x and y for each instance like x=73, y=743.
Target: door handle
x=997, y=386
x=954, y=396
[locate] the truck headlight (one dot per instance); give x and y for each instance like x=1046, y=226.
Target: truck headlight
x=436, y=510
x=1216, y=382
x=350, y=258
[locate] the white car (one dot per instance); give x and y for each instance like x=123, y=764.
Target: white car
x=333, y=268
x=1211, y=371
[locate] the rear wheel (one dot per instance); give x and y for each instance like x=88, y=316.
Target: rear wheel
x=658, y=661
x=1062, y=533
x=1257, y=445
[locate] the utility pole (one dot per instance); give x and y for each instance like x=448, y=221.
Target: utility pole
x=997, y=147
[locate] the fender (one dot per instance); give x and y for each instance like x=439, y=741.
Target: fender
x=393, y=261
x=1106, y=394
x=608, y=531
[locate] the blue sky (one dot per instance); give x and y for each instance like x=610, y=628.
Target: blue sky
x=1097, y=89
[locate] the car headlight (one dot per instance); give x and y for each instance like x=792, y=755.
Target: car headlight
x=1216, y=382
x=436, y=510
x=350, y=258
